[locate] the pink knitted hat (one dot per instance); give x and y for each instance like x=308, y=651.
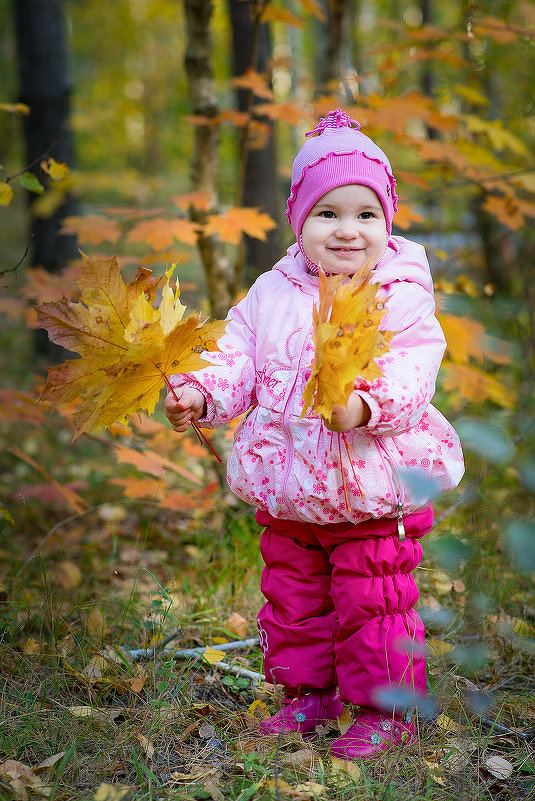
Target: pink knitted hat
x=337, y=155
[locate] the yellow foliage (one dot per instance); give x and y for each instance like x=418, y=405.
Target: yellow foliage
x=127, y=348
x=347, y=340
x=476, y=385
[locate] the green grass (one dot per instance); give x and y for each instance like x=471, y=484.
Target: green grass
x=80, y=589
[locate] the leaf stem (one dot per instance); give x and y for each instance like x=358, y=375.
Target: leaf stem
x=352, y=466
x=348, y=507
x=195, y=427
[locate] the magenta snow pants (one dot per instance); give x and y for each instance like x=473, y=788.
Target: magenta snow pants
x=340, y=606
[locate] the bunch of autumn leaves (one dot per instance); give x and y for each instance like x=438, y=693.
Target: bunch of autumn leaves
x=128, y=346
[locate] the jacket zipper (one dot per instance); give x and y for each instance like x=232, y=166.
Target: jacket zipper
x=397, y=492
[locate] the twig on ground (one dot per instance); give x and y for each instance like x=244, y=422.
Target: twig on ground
x=499, y=727
x=197, y=653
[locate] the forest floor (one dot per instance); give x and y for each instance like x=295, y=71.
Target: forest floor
x=126, y=541
x=84, y=717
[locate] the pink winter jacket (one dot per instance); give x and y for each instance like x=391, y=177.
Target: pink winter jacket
x=290, y=466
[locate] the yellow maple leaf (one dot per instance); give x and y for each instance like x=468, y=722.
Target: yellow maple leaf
x=127, y=348
x=347, y=340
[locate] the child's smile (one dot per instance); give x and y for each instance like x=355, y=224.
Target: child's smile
x=345, y=229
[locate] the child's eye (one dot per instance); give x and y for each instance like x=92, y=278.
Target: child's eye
x=329, y=215
x=366, y=215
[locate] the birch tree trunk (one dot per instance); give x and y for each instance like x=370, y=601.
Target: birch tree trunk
x=205, y=163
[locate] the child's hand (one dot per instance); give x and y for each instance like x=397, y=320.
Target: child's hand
x=188, y=408
x=356, y=413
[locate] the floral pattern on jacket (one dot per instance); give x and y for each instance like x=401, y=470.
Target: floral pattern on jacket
x=291, y=466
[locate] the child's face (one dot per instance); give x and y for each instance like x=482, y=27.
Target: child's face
x=345, y=230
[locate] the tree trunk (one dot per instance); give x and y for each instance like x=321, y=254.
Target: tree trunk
x=45, y=87
x=251, y=47
x=335, y=55
x=205, y=164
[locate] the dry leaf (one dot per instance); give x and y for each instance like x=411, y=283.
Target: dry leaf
x=498, y=767
x=146, y=744
x=50, y=762
x=344, y=721
x=128, y=348
x=111, y=792
x=311, y=789
x=438, y=648
x=237, y=624
x=212, y=655
x=96, y=624
x=32, y=647
x=347, y=340
x=446, y=723
x=341, y=768
x=303, y=758
x=69, y=575
x=22, y=778
x=85, y=712
x=435, y=772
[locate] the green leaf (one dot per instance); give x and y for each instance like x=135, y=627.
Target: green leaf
x=30, y=182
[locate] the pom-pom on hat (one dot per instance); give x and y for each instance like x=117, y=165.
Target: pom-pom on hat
x=338, y=154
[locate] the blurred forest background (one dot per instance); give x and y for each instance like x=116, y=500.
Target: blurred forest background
x=164, y=132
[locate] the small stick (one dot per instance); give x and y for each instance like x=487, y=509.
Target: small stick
x=183, y=653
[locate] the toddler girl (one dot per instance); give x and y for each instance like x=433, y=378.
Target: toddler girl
x=339, y=622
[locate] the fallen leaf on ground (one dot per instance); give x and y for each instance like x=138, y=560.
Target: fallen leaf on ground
x=498, y=767
x=434, y=770
x=259, y=710
x=237, y=624
x=22, y=778
x=111, y=792
x=212, y=655
x=341, y=768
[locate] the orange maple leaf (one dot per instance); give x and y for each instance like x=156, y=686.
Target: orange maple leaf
x=127, y=347
x=160, y=233
x=254, y=81
x=467, y=338
x=291, y=113
x=199, y=200
x=347, y=340
x=475, y=385
x=406, y=215
x=237, y=221
x=92, y=229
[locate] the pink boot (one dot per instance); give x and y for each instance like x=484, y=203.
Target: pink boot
x=372, y=734
x=303, y=712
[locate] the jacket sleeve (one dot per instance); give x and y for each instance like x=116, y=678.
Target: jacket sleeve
x=399, y=397
x=228, y=380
